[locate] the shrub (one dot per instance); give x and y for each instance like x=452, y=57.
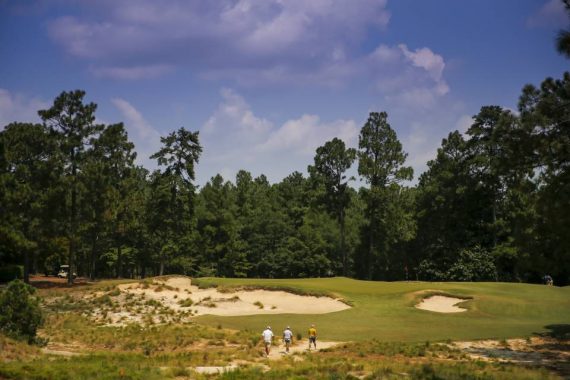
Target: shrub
x=429, y=271
x=185, y=303
x=11, y=272
x=20, y=313
x=475, y=264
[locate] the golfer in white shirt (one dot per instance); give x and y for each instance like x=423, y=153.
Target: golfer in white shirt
x=267, y=335
x=287, y=338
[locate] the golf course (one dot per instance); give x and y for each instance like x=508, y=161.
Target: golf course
x=176, y=327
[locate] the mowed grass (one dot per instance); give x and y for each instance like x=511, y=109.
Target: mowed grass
x=385, y=310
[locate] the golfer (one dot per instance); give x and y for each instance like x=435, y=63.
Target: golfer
x=312, y=337
x=267, y=335
x=287, y=338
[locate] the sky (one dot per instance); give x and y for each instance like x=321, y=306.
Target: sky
x=266, y=82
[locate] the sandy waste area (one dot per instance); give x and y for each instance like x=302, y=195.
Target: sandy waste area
x=441, y=304
x=177, y=296
x=235, y=303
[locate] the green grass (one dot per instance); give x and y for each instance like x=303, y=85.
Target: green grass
x=384, y=310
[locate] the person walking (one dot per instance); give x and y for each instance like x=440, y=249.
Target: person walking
x=312, y=337
x=267, y=335
x=287, y=338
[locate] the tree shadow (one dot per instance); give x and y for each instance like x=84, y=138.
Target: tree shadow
x=558, y=331
x=42, y=282
x=561, y=335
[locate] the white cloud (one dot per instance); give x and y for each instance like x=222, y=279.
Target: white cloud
x=464, y=123
x=235, y=138
x=306, y=134
x=225, y=35
x=421, y=146
x=384, y=53
x=426, y=59
x=133, y=72
x=235, y=116
x=551, y=15
x=141, y=133
x=19, y=108
x=407, y=79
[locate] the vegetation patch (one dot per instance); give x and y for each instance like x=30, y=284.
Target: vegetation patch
x=186, y=303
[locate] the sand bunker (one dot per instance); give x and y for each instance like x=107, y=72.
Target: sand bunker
x=441, y=304
x=178, y=294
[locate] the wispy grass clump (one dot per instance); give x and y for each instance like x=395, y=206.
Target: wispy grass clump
x=186, y=303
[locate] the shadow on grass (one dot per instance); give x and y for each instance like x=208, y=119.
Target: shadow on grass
x=44, y=282
x=561, y=331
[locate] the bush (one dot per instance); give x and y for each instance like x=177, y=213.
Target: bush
x=429, y=271
x=11, y=272
x=20, y=313
x=475, y=264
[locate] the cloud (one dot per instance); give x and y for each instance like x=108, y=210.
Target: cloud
x=133, y=72
x=426, y=59
x=19, y=108
x=252, y=43
x=464, y=123
x=235, y=117
x=408, y=79
x=235, y=138
x=305, y=134
x=224, y=35
x=551, y=15
x=141, y=133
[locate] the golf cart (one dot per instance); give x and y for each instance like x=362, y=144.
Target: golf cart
x=63, y=271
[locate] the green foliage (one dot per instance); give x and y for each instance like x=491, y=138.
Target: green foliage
x=20, y=313
x=70, y=193
x=473, y=264
x=11, y=272
x=381, y=164
x=186, y=303
x=563, y=37
x=331, y=162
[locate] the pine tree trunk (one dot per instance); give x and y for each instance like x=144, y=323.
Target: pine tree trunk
x=72, y=222
x=26, y=266
x=26, y=255
x=119, y=262
x=93, y=257
x=342, y=244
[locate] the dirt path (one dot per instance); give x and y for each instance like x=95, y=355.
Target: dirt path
x=278, y=351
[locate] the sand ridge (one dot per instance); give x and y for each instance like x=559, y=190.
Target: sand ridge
x=234, y=303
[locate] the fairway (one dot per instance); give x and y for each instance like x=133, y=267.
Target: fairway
x=385, y=310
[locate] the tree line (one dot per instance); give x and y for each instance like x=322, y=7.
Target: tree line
x=494, y=204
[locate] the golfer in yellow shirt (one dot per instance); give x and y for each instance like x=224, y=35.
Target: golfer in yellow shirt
x=312, y=337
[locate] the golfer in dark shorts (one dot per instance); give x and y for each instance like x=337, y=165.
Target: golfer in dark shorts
x=313, y=337
x=287, y=338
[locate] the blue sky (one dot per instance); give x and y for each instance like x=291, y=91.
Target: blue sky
x=268, y=81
